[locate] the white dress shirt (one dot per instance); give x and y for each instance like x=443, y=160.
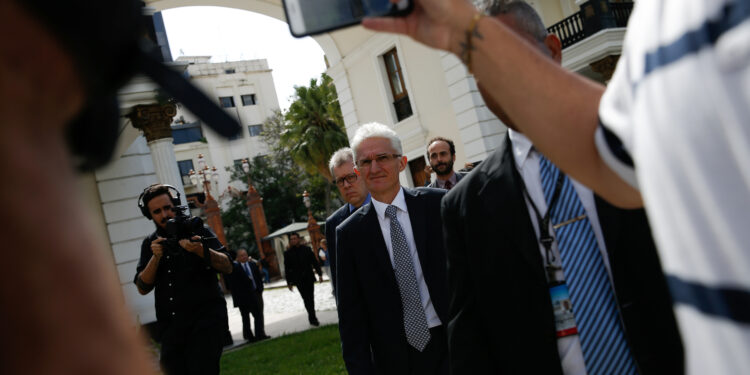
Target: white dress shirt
x=527, y=163
x=402, y=214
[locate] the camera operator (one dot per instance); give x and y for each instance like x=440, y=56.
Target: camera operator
x=181, y=263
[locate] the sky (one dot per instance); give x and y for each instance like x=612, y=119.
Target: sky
x=231, y=35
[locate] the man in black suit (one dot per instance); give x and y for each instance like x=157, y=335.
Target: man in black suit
x=391, y=268
x=353, y=191
x=299, y=262
x=246, y=285
x=441, y=152
x=511, y=299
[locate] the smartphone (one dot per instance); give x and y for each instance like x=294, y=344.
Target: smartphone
x=310, y=17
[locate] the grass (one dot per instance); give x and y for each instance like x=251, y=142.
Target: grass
x=312, y=352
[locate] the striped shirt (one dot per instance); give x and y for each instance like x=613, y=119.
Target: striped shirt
x=675, y=123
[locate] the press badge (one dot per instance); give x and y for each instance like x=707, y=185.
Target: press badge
x=565, y=322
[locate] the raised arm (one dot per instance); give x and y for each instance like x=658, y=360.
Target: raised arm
x=555, y=108
x=218, y=260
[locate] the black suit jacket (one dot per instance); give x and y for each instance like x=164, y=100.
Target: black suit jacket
x=370, y=314
x=501, y=318
x=240, y=285
x=332, y=223
x=299, y=262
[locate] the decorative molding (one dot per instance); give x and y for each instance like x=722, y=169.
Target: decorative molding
x=600, y=45
x=154, y=120
x=605, y=66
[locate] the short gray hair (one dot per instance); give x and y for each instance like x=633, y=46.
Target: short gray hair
x=341, y=156
x=375, y=130
x=528, y=19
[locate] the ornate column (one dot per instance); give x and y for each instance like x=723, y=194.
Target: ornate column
x=210, y=206
x=155, y=121
x=312, y=226
x=260, y=227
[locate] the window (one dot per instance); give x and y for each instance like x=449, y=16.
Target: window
x=226, y=101
x=187, y=133
x=398, y=88
x=237, y=164
x=248, y=99
x=185, y=166
x=229, y=71
x=255, y=130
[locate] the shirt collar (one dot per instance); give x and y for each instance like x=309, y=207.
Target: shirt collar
x=398, y=201
x=521, y=147
x=441, y=183
x=352, y=208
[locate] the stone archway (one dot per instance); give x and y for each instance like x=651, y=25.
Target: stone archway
x=271, y=8
x=139, y=90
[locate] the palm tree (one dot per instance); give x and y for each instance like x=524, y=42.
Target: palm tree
x=315, y=128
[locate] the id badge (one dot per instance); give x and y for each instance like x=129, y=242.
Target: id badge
x=565, y=322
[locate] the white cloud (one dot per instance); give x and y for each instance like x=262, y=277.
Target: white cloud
x=231, y=34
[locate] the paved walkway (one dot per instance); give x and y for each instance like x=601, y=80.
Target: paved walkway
x=284, y=311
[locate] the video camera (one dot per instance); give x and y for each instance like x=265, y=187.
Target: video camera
x=182, y=226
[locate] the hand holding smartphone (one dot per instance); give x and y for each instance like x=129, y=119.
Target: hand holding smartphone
x=310, y=17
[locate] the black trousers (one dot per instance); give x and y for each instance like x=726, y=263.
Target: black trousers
x=194, y=345
x=307, y=291
x=433, y=360
x=255, y=308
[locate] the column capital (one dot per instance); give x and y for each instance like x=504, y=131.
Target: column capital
x=154, y=120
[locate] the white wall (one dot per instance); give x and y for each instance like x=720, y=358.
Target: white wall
x=250, y=77
x=119, y=185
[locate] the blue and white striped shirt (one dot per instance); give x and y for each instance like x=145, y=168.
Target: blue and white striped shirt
x=675, y=123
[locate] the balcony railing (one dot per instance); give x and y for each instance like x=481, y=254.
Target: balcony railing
x=569, y=30
x=594, y=16
x=622, y=13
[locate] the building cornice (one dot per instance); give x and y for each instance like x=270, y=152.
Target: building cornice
x=596, y=47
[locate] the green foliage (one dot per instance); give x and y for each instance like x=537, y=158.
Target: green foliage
x=238, y=228
x=315, y=128
x=281, y=182
x=313, y=352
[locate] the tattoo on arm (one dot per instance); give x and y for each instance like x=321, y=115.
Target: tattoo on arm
x=220, y=262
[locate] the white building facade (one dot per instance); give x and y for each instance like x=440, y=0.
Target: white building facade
x=246, y=91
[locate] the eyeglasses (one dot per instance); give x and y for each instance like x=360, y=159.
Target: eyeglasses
x=382, y=158
x=350, y=178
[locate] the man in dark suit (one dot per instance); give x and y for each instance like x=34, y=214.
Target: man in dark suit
x=391, y=268
x=511, y=299
x=441, y=152
x=299, y=262
x=246, y=285
x=353, y=191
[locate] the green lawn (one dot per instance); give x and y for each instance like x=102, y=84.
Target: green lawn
x=316, y=351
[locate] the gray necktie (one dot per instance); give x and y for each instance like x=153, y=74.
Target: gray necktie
x=415, y=321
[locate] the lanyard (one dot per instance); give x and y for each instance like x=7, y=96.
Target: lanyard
x=545, y=238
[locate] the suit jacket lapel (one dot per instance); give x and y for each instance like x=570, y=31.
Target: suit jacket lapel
x=418, y=222
x=506, y=207
x=609, y=221
x=374, y=242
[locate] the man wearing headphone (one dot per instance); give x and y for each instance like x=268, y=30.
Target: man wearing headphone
x=190, y=307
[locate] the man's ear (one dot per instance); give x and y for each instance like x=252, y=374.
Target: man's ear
x=402, y=163
x=554, y=46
